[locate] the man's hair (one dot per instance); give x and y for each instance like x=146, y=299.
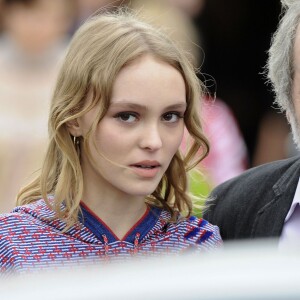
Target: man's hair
x=280, y=65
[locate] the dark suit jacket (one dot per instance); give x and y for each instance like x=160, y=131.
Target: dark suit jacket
x=255, y=203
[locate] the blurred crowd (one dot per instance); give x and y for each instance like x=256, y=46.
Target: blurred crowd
x=237, y=118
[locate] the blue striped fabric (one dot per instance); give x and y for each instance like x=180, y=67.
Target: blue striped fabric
x=31, y=238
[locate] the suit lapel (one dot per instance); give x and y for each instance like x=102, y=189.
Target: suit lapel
x=270, y=218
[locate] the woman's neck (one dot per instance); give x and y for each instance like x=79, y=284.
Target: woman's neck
x=118, y=212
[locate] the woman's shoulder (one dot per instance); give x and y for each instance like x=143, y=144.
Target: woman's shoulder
x=24, y=215
x=194, y=225
x=12, y=226
x=198, y=231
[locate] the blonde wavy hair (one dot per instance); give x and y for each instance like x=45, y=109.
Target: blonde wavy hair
x=98, y=51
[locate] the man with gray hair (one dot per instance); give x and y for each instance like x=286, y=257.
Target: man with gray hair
x=265, y=201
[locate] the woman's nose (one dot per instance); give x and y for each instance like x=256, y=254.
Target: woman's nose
x=151, y=138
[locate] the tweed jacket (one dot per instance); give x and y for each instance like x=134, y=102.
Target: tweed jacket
x=255, y=204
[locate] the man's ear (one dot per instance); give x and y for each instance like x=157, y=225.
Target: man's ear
x=74, y=128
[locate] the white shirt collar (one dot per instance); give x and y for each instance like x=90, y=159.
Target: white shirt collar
x=296, y=201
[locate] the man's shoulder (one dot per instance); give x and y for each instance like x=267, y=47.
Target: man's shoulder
x=252, y=188
x=260, y=177
x=233, y=205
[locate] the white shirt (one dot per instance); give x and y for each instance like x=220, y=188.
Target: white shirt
x=291, y=229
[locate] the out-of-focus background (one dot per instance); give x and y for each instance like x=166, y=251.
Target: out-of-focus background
x=33, y=39
x=227, y=39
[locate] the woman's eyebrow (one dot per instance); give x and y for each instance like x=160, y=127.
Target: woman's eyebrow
x=181, y=105
x=132, y=105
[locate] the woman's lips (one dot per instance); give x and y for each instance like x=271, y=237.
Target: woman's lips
x=147, y=169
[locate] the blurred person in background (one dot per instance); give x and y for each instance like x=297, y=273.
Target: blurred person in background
x=86, y=8
x=1, y=11
x=264, y=201
x=193, y=8
x=34, y=38
x=114, y=182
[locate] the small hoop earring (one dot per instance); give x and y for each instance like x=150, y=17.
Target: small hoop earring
x=76, y=143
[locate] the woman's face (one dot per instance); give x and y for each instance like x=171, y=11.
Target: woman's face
x=141, y=131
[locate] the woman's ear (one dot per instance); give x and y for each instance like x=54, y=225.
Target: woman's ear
x=74, y=128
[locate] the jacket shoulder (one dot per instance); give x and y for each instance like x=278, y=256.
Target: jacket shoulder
x=256, y=179
x=235, y=203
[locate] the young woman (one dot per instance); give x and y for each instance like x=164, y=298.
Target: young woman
x=113, y=183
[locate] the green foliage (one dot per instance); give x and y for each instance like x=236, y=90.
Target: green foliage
x=200, y=187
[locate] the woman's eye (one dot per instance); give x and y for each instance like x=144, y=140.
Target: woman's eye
x=172, y=117
x=127, y=117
